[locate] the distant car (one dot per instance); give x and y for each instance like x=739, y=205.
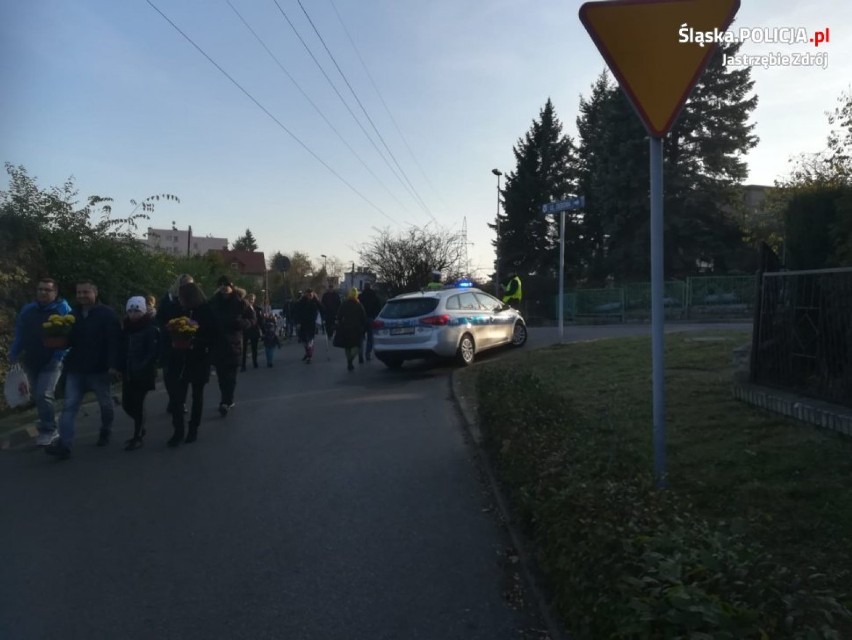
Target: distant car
x=447, y=323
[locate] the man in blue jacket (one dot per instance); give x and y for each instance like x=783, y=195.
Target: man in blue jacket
x=42, y=365
x=91, y=358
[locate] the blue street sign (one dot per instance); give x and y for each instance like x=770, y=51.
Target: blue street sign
x=577, y=202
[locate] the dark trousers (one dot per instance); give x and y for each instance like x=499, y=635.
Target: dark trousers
x=330, y=324
x=369, y=348
x=253, y=340
x=133, y=402
x=227, y=376
x=181, y=388
x=306, y=337
x=170, y=381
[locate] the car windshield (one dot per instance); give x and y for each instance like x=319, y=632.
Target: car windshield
x=409, y=308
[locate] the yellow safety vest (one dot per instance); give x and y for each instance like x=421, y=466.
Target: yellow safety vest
x=434, y=286
x=517, y=295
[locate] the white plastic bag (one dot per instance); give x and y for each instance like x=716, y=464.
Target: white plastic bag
x=17, y=387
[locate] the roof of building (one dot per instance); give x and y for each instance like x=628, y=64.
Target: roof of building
x=250, y=262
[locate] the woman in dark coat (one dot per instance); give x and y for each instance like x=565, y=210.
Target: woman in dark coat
x=351, y=326
x=305, y=315
x=139, y=352
x=235, y=316
x=192, y=365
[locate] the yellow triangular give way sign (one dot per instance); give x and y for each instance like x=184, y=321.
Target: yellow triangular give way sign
x=640, y=41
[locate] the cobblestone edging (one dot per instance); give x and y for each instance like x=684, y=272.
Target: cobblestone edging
x=17, y=437
x=820, y=414
x=20, y=428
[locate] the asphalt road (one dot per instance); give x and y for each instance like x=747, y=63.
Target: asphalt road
x=328, y=505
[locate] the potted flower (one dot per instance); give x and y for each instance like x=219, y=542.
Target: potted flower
x=56, y=330
x=181, y=330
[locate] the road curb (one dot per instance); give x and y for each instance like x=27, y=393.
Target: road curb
x=17, y=437
x=467, y=408
x=22, y=435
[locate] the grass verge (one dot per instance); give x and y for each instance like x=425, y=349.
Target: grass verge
x=751, y=540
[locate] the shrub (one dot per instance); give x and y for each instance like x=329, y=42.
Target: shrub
x=624, y=560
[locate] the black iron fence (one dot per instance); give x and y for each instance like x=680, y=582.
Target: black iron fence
x=803, y=333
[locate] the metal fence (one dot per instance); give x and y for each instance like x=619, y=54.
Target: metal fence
x=803, y=339
x=700, y=297
x=638, y=300
x=725, y=296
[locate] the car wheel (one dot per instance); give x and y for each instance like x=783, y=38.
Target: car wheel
x=519, y=334
x=393, y=363
x=467, y=350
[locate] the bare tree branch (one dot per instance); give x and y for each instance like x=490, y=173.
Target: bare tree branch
x=405, y=261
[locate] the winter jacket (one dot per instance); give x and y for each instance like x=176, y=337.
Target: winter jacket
x=167, y=309
x=94, y=341
x=235, y=315
x=370, y=299
x=253, y=332
x=139, y=351
x=270, y=334
x=305, y=315
x=306, y=309
x=351, y=324
x=330, y=304
x=28, y=335
x=193, y=364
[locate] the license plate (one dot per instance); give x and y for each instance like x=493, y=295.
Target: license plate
x=401, y=331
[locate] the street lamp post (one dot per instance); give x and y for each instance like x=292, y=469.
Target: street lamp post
x=324, y=264
x=497, y=173
x=266, y=305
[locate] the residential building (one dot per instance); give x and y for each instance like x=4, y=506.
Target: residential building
x=250, y=264
x=183, y=241
x=356, y=278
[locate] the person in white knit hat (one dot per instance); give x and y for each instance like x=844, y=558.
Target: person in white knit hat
x=137, y=363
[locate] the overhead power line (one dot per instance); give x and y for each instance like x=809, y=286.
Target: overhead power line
x=384, y=104
x=314, y=105
x=339, y=95
x=366, y=114
x=268, y=113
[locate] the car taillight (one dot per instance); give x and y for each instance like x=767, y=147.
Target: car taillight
x=436, y=320
x=377, y=324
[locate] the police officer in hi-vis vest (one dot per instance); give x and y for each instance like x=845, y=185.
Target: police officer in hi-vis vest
x=512, y=291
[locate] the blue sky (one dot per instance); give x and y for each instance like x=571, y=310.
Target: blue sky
x=110, y=93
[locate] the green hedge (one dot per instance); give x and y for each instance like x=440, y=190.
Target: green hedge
x=626, y=561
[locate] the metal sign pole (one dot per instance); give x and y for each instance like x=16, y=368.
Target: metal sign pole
x=561, y=274
x=657, y=312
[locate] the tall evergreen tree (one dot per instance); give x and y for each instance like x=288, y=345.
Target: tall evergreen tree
x=245, y=242
x=614, y=180
x=545, y=172
x=703, y=164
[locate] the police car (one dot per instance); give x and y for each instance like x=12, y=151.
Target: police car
x=456, y=322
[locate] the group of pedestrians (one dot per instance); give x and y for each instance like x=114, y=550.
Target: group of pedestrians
x=347, y=322
x=224, y=331
x=99, y=348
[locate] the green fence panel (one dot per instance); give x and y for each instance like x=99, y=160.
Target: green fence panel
x=569, y=306
x=697, y=297
x=599, y=303
x=720, y=296
x=638, y=299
